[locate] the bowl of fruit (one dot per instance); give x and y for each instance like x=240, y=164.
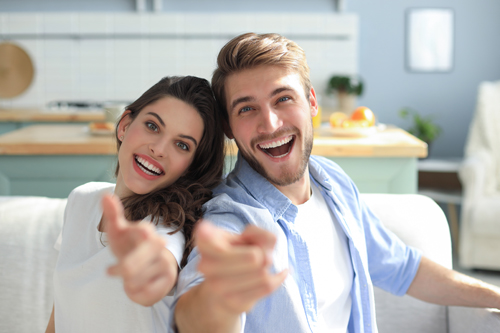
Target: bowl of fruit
x=361, y=122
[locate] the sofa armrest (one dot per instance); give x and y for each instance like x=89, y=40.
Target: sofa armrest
x=29, y=227
x=467, y=320
x=473, y=173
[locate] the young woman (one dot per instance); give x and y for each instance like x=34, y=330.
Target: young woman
x=170, y=156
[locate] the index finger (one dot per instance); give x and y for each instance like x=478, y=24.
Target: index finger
x=253, y=235
x=211, y=240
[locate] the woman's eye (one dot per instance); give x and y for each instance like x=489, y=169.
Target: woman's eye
x=152, y=126
x=245, y=109
x=183, y=146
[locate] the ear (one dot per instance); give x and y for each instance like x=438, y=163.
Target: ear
x=313, y=102
x=124, y=123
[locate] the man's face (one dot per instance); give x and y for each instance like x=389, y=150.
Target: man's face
x=270, y=120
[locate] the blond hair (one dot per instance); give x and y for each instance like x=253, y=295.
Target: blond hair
x=251, y=50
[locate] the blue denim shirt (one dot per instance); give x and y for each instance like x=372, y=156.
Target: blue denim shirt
x=378, y=257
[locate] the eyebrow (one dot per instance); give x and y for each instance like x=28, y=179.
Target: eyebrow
x=181, y=135
x=189, y=138
x=251, y=99
x=157, y=117
x=280, y=90
x=241, y=100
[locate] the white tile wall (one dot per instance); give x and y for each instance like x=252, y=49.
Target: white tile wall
x=113, y=68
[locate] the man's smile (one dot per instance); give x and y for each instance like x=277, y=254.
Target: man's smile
x=278, y=148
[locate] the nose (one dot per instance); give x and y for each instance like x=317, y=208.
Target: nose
x=158, y=148
x=269, y=120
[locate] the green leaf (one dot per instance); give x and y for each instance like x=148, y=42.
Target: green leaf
x=423, y=127
x=349, y=84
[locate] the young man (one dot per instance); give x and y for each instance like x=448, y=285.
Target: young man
x=295, y=249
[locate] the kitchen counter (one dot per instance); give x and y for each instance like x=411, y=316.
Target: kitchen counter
x=51, y=160
x=76, y=139
x=37, y=115
x=56, y=140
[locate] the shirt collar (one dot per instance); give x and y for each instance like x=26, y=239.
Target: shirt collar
x=319, y=174
x=263, y=191
x=268, y=195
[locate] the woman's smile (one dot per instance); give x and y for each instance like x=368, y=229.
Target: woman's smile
x=147, y=167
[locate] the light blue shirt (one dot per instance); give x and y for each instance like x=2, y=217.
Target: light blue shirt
x=378, y=257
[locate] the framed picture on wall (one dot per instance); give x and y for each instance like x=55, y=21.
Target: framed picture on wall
x=429, y=39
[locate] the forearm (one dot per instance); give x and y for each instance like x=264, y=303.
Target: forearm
x=51, y=325
x=196, y=311
x=437, y=284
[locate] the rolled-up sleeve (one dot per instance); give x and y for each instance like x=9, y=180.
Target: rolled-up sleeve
x=392, y=264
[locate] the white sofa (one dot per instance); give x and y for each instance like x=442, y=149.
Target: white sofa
x=29, y=227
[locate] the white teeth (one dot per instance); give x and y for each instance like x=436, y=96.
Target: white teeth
x=146, y=171
x=276, y=143
x=148, y=168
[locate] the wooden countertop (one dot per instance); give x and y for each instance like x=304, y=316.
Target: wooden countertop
x=76, y=140
x=388, y=141
x=37, y=115
x=61, y=139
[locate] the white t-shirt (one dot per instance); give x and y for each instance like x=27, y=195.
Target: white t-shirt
x=330, y=262
x=86, y=299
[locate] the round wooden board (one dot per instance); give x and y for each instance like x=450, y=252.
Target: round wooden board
x=16, y=70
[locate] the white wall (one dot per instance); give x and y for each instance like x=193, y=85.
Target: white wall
x=99, y=56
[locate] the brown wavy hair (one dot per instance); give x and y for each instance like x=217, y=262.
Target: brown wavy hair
x=180, y=205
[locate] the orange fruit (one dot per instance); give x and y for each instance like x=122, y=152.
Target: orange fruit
x=364, y=113
x=337, y=118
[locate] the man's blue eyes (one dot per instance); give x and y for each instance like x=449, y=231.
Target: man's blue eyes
x=247, y=108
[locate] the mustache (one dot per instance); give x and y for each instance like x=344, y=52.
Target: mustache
x=290, y=130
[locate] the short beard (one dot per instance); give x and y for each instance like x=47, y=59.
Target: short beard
x=287, y=177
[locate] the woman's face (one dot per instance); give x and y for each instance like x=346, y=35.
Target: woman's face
x=158, y=146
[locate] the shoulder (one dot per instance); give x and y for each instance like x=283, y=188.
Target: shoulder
x=232, y=208
x=89, y=194
x=226, y=213
x=333, y=177
x=92, y=188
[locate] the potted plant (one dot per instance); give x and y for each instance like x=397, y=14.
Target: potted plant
x=423, y=127
x=346, y=89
